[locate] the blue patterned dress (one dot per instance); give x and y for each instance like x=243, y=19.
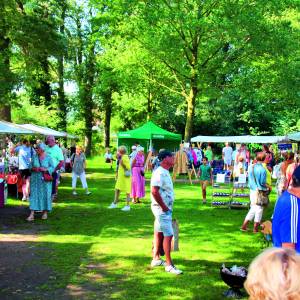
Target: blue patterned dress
x=40, y=190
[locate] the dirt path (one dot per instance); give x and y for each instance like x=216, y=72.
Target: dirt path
x=22, y=276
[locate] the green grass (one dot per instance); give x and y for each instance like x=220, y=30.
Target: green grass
x=107, y=252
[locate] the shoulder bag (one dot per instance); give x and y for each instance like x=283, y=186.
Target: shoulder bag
x=46, y=175
x=262, y=196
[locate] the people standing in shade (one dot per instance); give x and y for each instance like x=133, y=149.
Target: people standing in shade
x=25, y=154
x=209, y=154
x=205, y=173
x=162, y=199
x=286, y=219
x=138, y=176
x=257, y=181
x=40, y=190
x=123, y=183
x=227, y=156
x=78, y=164
x=57, y=156
x=270, y=162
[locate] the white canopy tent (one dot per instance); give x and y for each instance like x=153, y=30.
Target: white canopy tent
x=246, y=139
x=294, y=136
x=10, y=128
x=46, y=131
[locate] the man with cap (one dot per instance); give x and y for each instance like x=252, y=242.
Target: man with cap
x=162, y=198
x=286, y=219
x=57, y=156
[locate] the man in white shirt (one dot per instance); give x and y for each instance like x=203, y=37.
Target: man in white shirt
x=162, y=199
x=227, y=156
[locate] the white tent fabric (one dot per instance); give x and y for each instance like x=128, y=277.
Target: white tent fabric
x=46, y=131
x=10, y=128
x=246, y=139
x=294, y=136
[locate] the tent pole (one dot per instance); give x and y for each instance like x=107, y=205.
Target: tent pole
x=150, y=146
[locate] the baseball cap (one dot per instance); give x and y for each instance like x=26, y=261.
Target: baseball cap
x=133, y=147
x=163, y=154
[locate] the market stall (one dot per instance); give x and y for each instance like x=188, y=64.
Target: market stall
x=150, y=136
x=245, y=139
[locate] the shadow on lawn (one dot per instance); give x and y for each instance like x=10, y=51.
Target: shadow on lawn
x=149, y=283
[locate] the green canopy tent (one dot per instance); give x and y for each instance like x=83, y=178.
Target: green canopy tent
x=150, y=136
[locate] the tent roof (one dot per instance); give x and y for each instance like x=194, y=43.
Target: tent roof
x=46, y=131
x=294, y=136
x=7, y=127
x=149, y=131
x=240, y=139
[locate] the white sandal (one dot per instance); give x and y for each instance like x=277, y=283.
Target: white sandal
x=30, y=219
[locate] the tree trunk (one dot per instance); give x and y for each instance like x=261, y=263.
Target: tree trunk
x=62, y=103
x=190, y=99
x=6, y=78
x=108, y=112
x=5, y=112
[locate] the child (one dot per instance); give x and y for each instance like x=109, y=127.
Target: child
x=205, y=177
x=239, y=170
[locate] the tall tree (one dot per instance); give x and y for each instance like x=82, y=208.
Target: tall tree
x=188, y=38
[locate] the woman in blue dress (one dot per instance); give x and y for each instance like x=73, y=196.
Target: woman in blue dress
x=40, y=190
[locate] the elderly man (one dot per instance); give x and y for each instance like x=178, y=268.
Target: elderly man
x=162, y=198
x=286, y=225
x=57, y=156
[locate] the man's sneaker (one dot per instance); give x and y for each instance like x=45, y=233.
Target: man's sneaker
x=88, y=193
x=74, y=193
x=157, y=263
x=126, y=208
x=172, y=269
x=113, y=205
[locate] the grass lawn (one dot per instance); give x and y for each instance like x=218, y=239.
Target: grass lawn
x=105, y=254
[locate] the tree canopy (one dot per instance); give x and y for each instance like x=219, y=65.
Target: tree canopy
x=193, y=67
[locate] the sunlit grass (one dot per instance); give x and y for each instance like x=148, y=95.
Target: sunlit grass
x=109, y=251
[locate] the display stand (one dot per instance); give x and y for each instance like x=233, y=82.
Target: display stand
x=240, y=197
x=221, y=190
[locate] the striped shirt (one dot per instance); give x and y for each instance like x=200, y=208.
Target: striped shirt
x=285, y=225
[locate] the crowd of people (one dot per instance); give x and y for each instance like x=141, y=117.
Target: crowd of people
x=39, y=164
x=259, y=168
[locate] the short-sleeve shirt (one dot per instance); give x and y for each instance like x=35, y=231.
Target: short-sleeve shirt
x=285, y=224
x=162, y=179
x=78, y=163
x=227, y=151
x=209, y=154
x=25, y=155
x=257, y=183
x=55, y=153
x=205, y=172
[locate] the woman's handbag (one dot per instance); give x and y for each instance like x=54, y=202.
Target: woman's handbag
x=262, y=196
x=142, y=173
x=47, y=176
